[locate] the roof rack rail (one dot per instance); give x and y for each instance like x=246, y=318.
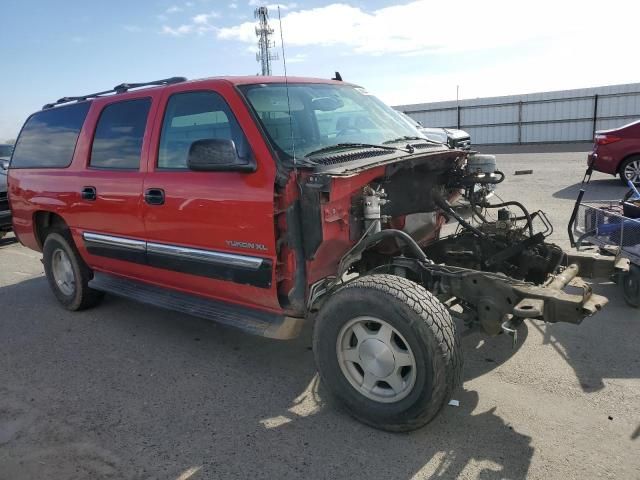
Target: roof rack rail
x=122, y=88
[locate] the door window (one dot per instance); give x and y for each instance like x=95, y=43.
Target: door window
x=118, y=139
x=196, y=116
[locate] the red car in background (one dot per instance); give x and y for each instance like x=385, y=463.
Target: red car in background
x=617, y=151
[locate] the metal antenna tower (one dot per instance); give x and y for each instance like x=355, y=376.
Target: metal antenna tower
x=264, y=32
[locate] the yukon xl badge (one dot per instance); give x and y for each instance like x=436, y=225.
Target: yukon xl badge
x=247, y=245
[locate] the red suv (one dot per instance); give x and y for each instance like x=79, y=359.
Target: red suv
x=617, y=152
x=260, y=202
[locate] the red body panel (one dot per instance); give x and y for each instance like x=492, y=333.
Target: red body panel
x=608, y=158
x=208, y=209
x=214, y=211
x=202, y=209
x=335, y=224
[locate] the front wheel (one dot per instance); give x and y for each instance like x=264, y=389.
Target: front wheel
x=389, y=351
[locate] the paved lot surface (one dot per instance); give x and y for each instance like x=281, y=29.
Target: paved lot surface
x=131, y=392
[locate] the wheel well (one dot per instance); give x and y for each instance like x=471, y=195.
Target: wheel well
x=45, y=222
x=631, y=155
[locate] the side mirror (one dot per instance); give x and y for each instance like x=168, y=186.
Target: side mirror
x=217, y=155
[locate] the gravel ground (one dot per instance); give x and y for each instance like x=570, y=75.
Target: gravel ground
x=126, y=391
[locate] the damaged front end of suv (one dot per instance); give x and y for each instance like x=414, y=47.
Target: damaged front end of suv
x=497, y=268
x=362, y=205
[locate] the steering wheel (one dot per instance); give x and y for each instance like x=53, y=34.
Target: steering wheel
x=346, y=130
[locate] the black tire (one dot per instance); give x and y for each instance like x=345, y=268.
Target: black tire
x=631, y=286
x=82, y=296
x=623, y=165
x=429, y=331
x=628, y=195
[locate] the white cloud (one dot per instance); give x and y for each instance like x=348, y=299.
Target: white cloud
x=273, y=6
x=559, y=67
x=233, y=5
x=173, y=9
x=178, y=31
x=425, y=26
x=203, y=18
x=283, y=6
x=200, y=24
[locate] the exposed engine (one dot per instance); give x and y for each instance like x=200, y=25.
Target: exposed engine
x=504, y=245
x=497, y=237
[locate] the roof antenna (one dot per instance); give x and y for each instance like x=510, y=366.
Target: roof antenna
x=286, y=86
x=338, y=77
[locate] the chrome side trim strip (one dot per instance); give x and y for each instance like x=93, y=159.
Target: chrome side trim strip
x=112, y=241
x=208, y=256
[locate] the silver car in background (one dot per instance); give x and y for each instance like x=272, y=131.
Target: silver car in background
x=5, y=213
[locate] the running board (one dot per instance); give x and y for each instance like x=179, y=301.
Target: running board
x=252, y=321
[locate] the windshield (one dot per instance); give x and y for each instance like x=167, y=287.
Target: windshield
x=5, y=150
x=322, y=115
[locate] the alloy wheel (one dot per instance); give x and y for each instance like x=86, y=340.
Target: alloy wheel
x=63, y=272
x=376, y=359
x=632, y=171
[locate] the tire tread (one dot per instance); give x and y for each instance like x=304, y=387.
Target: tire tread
x=438, y=320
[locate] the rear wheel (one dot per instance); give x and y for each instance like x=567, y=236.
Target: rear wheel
x=67, y=273
x=388, y=350
x=630, y=170
x=631, y=286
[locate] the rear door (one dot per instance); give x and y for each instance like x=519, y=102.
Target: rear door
x=110, y=229
x=210, y=233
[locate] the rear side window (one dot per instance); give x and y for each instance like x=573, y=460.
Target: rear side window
x=117, y=142
x=195, y=116
x=48, y=138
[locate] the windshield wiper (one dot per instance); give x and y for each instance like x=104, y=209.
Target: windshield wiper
x=339, y=146
x=406, y=138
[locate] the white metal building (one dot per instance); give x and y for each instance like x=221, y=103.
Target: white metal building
x=560, y=116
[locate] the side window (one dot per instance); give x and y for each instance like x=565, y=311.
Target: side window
x=196, y=116
x=48, y=138
x=118, y=139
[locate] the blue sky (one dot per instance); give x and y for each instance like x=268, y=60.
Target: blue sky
x=403, y=51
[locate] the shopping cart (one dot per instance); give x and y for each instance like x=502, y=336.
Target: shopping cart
x=609, y=225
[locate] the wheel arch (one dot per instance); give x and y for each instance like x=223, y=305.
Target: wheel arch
x=625, y=158
x=44, y=222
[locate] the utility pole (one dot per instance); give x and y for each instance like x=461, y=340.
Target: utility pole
x=264, y=32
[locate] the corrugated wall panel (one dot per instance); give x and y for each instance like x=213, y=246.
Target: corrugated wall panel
x=556, y=132
x=561, y=116
x=439, y=118
x=497, y=134
x=616, y=106
x=557, y=110
x=488, y=115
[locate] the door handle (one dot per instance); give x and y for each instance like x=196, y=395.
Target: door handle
x=154, y=196
x=89, y=193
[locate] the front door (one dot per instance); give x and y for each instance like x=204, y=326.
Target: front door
x=209, y=233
